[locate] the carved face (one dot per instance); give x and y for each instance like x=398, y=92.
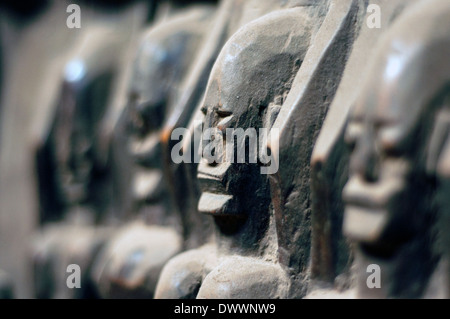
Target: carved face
x=378, y=176
x=248, y=84
x=388, y=132
x=149, y=86
x=147, y=105
x=83, y=102
x=230, y=104
x=161, y=63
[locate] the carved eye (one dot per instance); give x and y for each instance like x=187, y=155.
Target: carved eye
x=354, y=130
x=351, y=145
x=225, y=123
x=134, y=96
x=223, y=113
x=204, y=109
x=390, y=138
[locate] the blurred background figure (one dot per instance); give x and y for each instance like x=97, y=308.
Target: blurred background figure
x=150, y=234
x=93, y=93
x=35, y=47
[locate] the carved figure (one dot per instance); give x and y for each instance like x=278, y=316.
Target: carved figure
x=396, y=132
x=243, y=92
x=130, y=264
x=74, y=191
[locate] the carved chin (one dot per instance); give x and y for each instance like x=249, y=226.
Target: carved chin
x=364, y=224
x=219, y=205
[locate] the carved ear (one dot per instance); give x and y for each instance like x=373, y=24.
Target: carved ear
x=438, y=153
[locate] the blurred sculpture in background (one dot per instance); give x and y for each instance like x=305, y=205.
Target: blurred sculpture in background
x=33, y=48
x=357, y=153
x=398, y=132
x=130, y=264
x=331, y=253
x=6, y=286
x=75, y=192
x=299, y=123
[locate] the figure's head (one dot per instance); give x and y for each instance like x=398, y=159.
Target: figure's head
x=248, y=84
x=163, y=57
x=162, y=61
x=391, y=131
x=87, y=81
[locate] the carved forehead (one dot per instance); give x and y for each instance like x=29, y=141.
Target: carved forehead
x=152, y=56
x=259, y=60
x=96, y=52
x=409, y=68
x=158, y=58
x=408, y=74
x=385, y=95
x=165, y=52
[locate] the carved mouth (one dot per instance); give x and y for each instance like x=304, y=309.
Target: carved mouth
x=218, y=204
x=365, y=216
x=363, y=223
x=147, y=178
x=216, y=199
x=147, y=186
x=366, y=213
x=213, y=178
x=146, y=152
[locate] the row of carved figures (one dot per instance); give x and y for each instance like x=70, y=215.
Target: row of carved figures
x=361, y=153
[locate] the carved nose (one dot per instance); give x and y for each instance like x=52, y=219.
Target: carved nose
x=213, y=178
x=212, y=141
x=365, y=161
x=207, y=122
x=209, y=151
